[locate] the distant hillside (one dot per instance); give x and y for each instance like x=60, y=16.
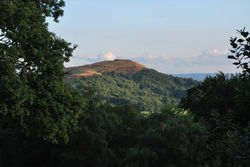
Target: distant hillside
x=126, y=82
x=118, y=65
x=197, y=76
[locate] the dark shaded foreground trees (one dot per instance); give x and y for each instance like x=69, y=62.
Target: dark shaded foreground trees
x=223, y=103
x=225, y=94
x=169, y=138
x=222, y=94
x=45, y=123
x=114, y=136
x=34, y=99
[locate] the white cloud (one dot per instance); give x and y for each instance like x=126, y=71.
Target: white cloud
x=208, y=61
x=78, y=60
x=82, y=60
x=147, y=58
x=218, y=52
x=205, y=58
x=106, y=56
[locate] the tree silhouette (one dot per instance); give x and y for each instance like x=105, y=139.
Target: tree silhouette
x=241, y=51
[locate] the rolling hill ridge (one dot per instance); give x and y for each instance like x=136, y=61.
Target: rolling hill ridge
x=118, y=65
x=122, y=82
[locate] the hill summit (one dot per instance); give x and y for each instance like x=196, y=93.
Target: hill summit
x=117, y=65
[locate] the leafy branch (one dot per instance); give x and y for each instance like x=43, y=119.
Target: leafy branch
x=241, y=51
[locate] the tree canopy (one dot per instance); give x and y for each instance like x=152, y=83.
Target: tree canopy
x=44, y=122
x=33, y=95
x=146, y=90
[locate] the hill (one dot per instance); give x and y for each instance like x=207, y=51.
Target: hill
x=126, y=82
x=118, y=65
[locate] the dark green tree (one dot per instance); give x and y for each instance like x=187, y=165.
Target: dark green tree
x=33, y=97
x=223, y=102
x=228, y=143
x=222, y=93
x=169, y=138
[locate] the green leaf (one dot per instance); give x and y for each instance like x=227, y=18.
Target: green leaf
x=244, y=34
x=248, y=39
x=234, y=45
x=236, y=63
x=231, y=57
x=241, y=40
x=246, y=53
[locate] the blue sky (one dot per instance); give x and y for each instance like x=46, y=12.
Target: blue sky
x=171, y=36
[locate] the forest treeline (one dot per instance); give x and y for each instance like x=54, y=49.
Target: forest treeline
x=45, y=122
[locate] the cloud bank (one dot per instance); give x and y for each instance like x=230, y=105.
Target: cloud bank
x=208, y=61
x=106, y=56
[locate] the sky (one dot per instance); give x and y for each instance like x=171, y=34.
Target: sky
x=170, y=36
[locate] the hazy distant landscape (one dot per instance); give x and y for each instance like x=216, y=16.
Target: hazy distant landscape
x=197, y=76
x=140, y=88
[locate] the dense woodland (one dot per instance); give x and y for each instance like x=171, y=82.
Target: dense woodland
x=45, y=122
x=145, y=90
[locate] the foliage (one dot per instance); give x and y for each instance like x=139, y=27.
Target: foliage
x=241, y=51
x=38, y=111
x=117, y=135
x=169, y=138
x=33, y=96
x=221, y=94
x=146, y=90
x=228, y=143
x=224, y=104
